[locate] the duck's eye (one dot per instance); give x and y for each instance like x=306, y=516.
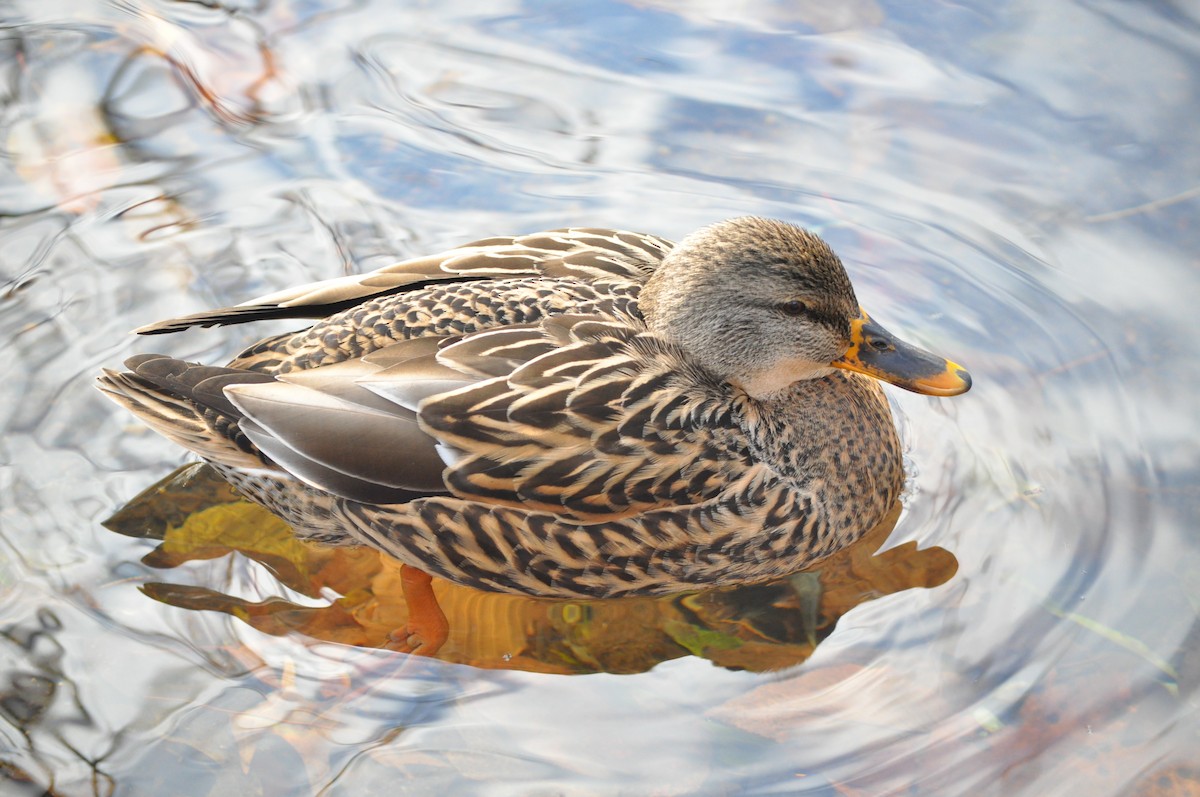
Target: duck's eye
x=793, y=308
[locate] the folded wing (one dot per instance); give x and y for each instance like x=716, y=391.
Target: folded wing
x=581, y=253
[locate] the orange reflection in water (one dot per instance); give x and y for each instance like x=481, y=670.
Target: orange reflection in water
x=197, y=516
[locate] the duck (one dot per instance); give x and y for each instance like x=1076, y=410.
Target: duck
x=577, y=413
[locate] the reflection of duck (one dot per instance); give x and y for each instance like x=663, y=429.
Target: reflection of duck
x=768, y=626
x=575, y=413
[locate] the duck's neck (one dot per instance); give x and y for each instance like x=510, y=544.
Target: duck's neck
x=833, y=435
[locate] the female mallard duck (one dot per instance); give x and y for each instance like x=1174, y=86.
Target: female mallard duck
x=580, y=412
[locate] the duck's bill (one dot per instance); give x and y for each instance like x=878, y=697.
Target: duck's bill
x=876, y=352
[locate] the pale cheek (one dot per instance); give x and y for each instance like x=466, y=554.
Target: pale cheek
x=800, y=368
x=769, y=381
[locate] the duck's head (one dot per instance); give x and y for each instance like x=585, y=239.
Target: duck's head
x=762, y=304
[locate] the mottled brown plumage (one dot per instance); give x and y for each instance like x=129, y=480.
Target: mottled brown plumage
x=572, y=413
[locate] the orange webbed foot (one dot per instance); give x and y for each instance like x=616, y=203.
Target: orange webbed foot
x=427, y=628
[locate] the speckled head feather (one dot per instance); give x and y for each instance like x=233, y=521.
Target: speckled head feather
x=758, y=302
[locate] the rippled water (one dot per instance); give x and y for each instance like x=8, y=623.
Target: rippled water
x=1012, y=184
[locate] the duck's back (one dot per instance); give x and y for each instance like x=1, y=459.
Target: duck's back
x=576, y=255
x=442, y=312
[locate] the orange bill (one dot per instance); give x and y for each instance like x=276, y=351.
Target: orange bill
x=876, y=352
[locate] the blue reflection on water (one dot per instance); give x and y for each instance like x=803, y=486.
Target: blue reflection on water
x=1012, y=183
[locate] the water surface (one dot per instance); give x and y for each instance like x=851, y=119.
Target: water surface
x=1011, y=184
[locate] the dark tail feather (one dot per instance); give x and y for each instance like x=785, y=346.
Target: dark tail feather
x=183, y=402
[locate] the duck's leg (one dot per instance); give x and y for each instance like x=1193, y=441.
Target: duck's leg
x=427, y=628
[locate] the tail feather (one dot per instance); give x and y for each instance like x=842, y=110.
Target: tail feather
x=156, y=391
x=336, y=436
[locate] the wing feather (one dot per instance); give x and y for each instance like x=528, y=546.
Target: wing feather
x=602, y=426
x=379, y=447
x=588, y=255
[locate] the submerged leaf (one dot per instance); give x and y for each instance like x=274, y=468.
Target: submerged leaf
x=699, y=641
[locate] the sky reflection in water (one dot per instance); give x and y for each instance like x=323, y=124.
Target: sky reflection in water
x=1011, y=184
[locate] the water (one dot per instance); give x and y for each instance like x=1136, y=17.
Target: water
x=1013, y=185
